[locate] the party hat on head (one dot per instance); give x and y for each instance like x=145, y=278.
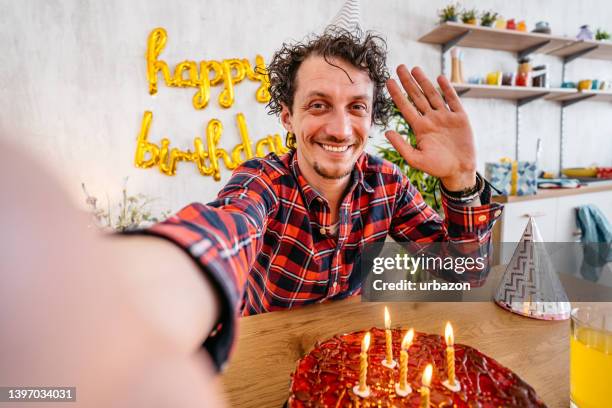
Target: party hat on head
x=348, y=18
x=530, y=285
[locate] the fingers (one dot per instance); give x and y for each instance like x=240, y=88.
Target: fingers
x=433, y=96
x=408, y=111
x=403, y=147
x=452, y=99
x=413, y=89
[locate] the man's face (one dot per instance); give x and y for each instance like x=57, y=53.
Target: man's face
x=331, y=116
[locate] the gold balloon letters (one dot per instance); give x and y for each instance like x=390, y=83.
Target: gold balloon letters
x=203, y=75
x=228, y=72
x=206, y=157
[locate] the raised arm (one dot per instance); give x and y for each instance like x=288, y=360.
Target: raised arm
x=120, y=318
x=445, y=149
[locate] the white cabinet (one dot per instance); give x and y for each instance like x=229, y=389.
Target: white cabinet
x=555, y=216
x=516, y=215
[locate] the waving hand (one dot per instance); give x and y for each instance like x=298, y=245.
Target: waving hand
x=445, y=143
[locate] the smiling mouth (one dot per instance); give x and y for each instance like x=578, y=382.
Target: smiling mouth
x=334, y=149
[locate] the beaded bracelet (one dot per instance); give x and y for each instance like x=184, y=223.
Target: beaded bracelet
x=467, y=195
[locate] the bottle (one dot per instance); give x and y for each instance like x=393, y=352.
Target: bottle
x=456, y=69
x=523, y=78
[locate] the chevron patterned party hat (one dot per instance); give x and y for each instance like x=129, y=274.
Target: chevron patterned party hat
x=348, y=18
x=530, y=286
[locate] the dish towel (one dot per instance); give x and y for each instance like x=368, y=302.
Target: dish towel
x=596, y=240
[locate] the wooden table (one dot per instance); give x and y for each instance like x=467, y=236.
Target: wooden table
x=270, y=344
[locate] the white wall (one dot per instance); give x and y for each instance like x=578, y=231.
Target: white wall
x=73, y=87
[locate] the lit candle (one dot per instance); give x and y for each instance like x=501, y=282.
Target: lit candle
x=451, y=382
x=388, y=361
x=426, y=381
x=450, y=352
x=362, y=389
x=403, y=388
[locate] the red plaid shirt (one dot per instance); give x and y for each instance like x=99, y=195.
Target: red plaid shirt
x=264, y=241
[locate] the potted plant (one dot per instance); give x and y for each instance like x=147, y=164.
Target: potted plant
x=487, y=18
x=469, y=16
x=449, y=13
x=601, y=35
x=423, y=182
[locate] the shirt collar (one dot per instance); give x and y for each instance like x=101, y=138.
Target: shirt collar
x=310, y=194
x=360, y=168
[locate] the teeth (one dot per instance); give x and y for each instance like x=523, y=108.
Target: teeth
x=338, y=149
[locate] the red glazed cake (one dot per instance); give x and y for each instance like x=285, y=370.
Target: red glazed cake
x=325, y=377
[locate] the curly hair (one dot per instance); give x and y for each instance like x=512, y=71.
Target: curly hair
x=365, y=51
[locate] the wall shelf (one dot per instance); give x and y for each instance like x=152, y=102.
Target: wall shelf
x=520, y=93
x=523, y=43
x=585, y=49
x=474, y=36
x=577, y=96
x=599, y=95
x=510, y=92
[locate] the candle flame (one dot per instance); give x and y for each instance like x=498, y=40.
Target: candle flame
x=365, y=344
x=407, y=341
x=448, y=335
x=426, y=380
x=387, y=319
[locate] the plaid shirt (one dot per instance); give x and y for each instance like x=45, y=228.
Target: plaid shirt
x=265, y=240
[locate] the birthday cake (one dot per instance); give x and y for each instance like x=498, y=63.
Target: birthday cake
x=326, y=376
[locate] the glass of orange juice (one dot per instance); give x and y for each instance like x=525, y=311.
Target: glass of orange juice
x=591, y=356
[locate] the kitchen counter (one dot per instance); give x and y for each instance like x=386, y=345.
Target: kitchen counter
x=592, y=187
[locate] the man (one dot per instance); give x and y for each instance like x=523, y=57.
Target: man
x=126, y=314
x=288, y=231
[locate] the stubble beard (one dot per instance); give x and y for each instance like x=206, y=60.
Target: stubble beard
x=331, y=176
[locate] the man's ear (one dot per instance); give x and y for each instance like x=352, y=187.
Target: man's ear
x=286, y=117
